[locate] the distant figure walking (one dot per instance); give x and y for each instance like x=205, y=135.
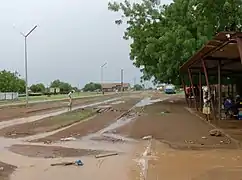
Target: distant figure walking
x=70, y=100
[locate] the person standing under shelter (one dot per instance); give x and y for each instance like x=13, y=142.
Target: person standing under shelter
x=206, y=105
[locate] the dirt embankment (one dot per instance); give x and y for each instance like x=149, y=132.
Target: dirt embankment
x=47, y=124
x=8, y=113
x=170, y=123
x=93, y=125
x=52, y=151
x=6, y=170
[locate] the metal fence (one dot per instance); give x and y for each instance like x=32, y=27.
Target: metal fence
x=9, y=96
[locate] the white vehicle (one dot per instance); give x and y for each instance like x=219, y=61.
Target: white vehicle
x=169, y=89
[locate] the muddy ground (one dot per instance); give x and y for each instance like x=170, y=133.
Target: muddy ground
x=170, y=123
x=6, y=170
x=167, y=163
x=179, y=139
x=8, y=113
x=52, y=151
x=93, y=125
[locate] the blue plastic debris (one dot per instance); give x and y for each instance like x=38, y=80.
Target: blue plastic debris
x=79, y=163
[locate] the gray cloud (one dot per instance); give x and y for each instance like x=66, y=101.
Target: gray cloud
x=73, y=39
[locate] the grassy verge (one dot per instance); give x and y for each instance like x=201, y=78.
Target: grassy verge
x=44, y=99
x=47, y=124
x=69, y=117
x=58, y=96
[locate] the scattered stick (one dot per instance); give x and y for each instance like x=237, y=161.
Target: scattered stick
x=106, y=155
x=63, y=164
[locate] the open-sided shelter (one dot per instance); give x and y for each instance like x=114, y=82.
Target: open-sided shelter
x=221, y=58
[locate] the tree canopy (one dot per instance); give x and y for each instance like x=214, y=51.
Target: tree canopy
x=92, y=87
x=37, y=88
x=165, y=36
x=11, y=82
x=64, y=86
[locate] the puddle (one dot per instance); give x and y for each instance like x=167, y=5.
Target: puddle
x=5, y=142
x=119, y=123
x=148, y=101
x=118, y=137
x=104, y=106
x=143, y=161
x=108, y=131
x=117, y=102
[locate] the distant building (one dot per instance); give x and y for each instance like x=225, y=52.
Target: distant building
x=112, y=87
x=54, y=90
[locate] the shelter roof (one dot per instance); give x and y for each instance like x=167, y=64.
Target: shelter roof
x=225, y=47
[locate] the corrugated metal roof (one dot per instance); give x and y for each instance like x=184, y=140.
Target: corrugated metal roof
x=222, y=47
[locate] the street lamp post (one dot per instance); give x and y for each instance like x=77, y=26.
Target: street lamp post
x=26, y=62
x=122, y=80
x=102, y=74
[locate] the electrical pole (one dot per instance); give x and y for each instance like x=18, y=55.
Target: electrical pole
x=134, y=81
x=102, y=75
x=26, y=62
x=122, y=79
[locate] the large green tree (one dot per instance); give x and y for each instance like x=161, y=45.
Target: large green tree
x=165, y=36
x=11, y=82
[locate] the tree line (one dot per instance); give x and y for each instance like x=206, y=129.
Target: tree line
x=13, y=82
x=165, y=36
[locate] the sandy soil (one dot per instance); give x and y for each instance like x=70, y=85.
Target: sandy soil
x=115, y=167
x=6, y=170
x=47, y=124
x=169, y=122
x=179, y=165
x=91, y=126
x=8, y=113
x=52, y=151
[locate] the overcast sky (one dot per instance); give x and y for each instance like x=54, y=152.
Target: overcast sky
x=73, y=39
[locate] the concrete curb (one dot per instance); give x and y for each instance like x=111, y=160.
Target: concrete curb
x=215, y=127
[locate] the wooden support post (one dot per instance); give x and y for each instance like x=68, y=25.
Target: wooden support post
x=194, y=95
x=200, y=91
x=219, y=90
x=184, y=88
x=229, y=90
x=239, y=45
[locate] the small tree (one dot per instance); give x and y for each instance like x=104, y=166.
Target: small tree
x=138, y=87
x=37, y=88
x=64, y=86
x=92, y=87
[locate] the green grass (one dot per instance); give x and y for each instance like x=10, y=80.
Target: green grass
x=68, y=118
x=58, y=96
x=52, y=97
x=49, y=124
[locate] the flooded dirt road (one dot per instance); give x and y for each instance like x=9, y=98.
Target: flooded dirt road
x=154, y=138
x=33, y=159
